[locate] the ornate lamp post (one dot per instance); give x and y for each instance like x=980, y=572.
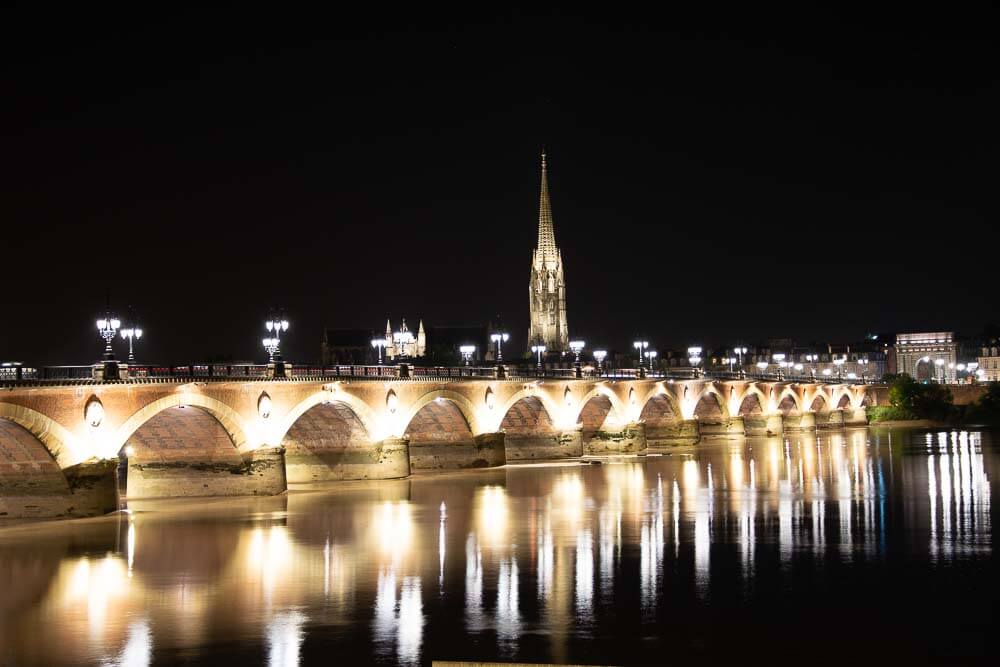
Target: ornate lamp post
x=839, y=363
x=694, y=356
x=812, y=359
x=780, y=359
x=378, y=344
x=640, y=346
x=650, y=356
x=864, y=370
x=107, y=327
x=499, y=339
x=402, y=339
x=599, y=355
x=539, y=350
x=762, y=366
x=275, y=324
x=577, y=347
x=467, y=352
x=130, y=332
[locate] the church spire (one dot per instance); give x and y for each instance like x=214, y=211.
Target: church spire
x=546, y=231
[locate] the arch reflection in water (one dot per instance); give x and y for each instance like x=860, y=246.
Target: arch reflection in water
x=284, y=638
x=958, y=490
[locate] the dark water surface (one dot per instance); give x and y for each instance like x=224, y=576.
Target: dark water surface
x=850, y=546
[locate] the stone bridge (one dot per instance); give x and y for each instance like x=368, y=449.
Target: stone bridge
x=73, y=450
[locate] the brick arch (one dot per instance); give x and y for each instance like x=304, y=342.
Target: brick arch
x=788, y=405
x=226, y=416
x=596, y=413
x=844, y=402
x=460, y=402
x=439, y=421
x=527, y=417
x=661, y=409
x=709, y=406
x=818, y=404
x=751, y=404
x=618, y=409
x=326, y=435
x=56, y=439
x=27, y=467
x=182, y=433
x=359, y=408
x=551, y=409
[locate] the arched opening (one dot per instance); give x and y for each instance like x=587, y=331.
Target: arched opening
x=924, y=371
x=659, y=411
x=178, y=452
x=818, y=404
x=787, y=406
x=598, y=414
x=329, y=442
x=437, y=433
x=529, y=431
x=844, y=402
x=708, y=409
x=867, y=401
x=750, y=406
x=26, y=466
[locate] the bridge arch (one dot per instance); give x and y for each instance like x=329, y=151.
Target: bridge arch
x=439, y=396
x=617, y=409
x=709, y=404
x=661, y=408
x=552, y=410
x=361, y=411
x=753, y=403
x=31, y=468
x=225, y=415
x=789, y=403
x=56, y=439
x=819, y=403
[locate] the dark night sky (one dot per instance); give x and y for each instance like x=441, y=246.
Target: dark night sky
x=812, y=176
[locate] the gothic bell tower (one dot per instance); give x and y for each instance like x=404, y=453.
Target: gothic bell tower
x=547, y=289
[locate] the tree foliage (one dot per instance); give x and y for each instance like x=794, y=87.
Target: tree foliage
x=909, y=399
x=987, y=409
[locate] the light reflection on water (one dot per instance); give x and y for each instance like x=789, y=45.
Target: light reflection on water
x=530, y=563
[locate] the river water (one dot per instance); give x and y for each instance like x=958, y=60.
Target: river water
x=857, y=545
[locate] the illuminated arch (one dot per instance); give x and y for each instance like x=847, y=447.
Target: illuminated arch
x=463, y=404
x=752, y=390
x=619, y=409
x=59, y=442
x=361, y=410
x=229, y=418
x=661, y=392
x=710, y=389
x=796, y=399
x=551, y=408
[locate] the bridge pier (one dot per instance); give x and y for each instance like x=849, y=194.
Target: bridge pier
x=630, y=439
x=834, y=419
x=805, y=421
x=86, y=489
x=561, y=445
x=682, y=432
x=758, y=425
x=386, y=459
x=262, y=473
x=857, y=417
x=731, y=428
x=486, y=451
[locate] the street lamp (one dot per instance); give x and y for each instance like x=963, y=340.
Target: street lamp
x=798, y=369
x=599, y=355
x=762, y=366
x=577, y=347
x=107, y=326
x=467, y=351
x=131, y=331
x=640, y=346
x=694, y=356
x=812, y=359
x=499, y=339
x=539, y=350
x=780, y=359
x=839, y=363
x=650, y=356
x=972, y=366
x=275, y=324
x=378, y=344
x=864, y=370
